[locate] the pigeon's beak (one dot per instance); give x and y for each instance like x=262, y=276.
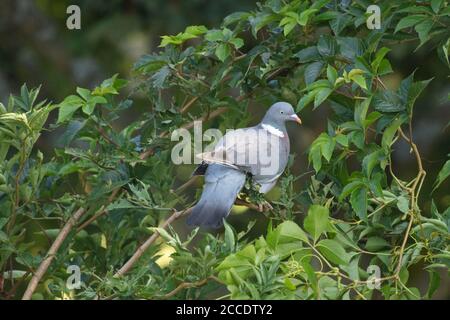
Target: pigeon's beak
x=296, y=118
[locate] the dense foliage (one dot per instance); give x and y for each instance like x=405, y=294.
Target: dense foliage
x=105, y=191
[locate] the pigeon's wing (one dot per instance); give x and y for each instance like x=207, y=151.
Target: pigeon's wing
x=238, y=149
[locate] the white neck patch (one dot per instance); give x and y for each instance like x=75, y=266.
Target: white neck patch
x=272, y=130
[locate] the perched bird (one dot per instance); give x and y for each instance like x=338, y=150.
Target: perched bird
x=261, y=151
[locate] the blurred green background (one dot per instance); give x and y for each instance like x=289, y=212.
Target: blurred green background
x=37, y=48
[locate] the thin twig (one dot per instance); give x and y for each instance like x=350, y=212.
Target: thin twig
x=37, y=276
x=189, y=104
x=140, y=250
x=186, y=285
x=99, y=213
x=107, y=138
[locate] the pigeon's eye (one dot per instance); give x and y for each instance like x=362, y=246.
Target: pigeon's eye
x=282, y=112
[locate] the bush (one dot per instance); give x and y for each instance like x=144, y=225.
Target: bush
x=105, y=199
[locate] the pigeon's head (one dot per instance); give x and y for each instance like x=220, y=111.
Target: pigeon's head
x=279, y=113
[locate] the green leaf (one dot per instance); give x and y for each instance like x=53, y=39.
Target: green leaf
x=349, y=188
x=326, y=46
x=414, y=91
x=304, y=16
x=289, y=24
x=317, y=221
x=237, y=42
x=388, y=101
x=321, y=96
x=423, y=29
x=322, y=146
x=308, y=54
x=409, y=21
x=434, y=282
x=312, y=71
x=371, y=160
x=235, y=17
x=389, y=132
x=403, y=204
x=196, y=30
x=328, y=147
x=68, y=107
x=360, y=81
x=442, y=175
x=342, y=139
x=260, y=20
x=361, y=109
x=331, y=74
x=375, y=244
x=88, y=108
x=229, y=236
x=223, y=51
x=340, y=22
x=378, y=58
x=110, y=86
x=214, y=36
x=357, y=138
x=291, y=230
x=150, y=63
x=305, y=100
x=160, y=77
x=333, y=251
x=358, y=200
x=310, y=273
x=84, y=93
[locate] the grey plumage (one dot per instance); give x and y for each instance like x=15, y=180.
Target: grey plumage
x=222, y=185
x=261, y=151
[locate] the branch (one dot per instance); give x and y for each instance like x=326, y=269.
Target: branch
x=186, y=285
x=189, y=104
x=177, y=214
x=106, y=137
x=140, y=251
x=51, y=253
x=99, y=213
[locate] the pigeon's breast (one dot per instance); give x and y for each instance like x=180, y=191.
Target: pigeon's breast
x=272, y=165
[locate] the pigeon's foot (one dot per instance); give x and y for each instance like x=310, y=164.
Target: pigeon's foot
x=265, y=206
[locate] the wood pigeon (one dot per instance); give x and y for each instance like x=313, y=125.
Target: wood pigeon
x=261, y=151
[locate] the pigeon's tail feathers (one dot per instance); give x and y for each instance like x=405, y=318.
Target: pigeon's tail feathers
x=222, y=185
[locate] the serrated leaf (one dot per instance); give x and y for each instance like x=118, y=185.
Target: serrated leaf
x=409, y=21
x=331, y=74
x=321, y=96
x=308, y=54
x=389, y=132
x=223, y=51
x=443, y=174
x=160, y=77
x=326, y=46
x=316, y=222
x=312, y=71
x=68, y=107
x=304, y=16
x=358, y=200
